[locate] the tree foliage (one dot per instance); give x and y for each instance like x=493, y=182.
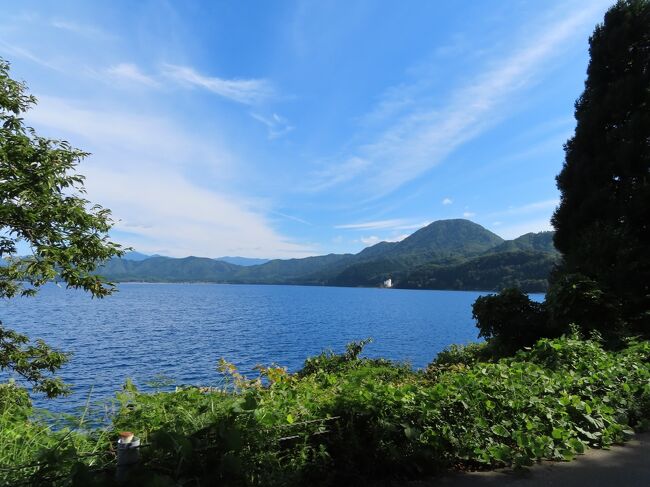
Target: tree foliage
x=34, y=362
x=603, y=221
x=511, y=317
x=576, y=299
x=42, y=208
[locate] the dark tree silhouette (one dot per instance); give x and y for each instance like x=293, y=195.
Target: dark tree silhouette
x=602, y=223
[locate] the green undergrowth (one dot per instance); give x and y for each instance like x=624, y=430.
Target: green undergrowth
x=345, y=420
x=38, y=448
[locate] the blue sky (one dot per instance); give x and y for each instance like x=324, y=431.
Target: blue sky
x=287, y=129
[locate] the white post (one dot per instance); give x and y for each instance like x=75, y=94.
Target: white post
x=128, y=454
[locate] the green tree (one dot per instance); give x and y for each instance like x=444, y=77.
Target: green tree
x=510, y=319
x=42, y=209
x=603, y=221
x=576, y=299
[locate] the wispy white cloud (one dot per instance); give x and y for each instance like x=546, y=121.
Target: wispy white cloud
x=374, y=239
x=394, y=224
x=141, y=169
x=290, y=217
x=83, y=29
x=336, y=174
x=12, y=50
x=194, y=222
x=519, y=229
x=398, y=238
x=412, y=226
x=372, y=225
x=130, y=73
x=537, y=206
x=468, y=214
x=371, y=240
x=124, y=130
x=276, y=125
x=423, y=137
x=246, y=91
x=447, y=201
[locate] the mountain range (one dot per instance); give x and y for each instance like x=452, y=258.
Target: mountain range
x=446, y=254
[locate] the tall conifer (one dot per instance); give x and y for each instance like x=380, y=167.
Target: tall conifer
x=603, y=221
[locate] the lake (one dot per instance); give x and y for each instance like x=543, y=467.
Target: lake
x=182, y=330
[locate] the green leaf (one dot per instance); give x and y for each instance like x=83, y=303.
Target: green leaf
x=577, y=445
x=499, y=430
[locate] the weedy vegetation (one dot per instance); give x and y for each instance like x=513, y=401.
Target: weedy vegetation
x=348, y=420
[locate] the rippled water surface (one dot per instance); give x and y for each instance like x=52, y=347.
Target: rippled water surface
x=181, y=330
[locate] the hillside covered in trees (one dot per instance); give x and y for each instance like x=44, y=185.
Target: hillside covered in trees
x=446, y=254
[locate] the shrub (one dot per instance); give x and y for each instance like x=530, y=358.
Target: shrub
x=463, y=354
x=459, y=357
x=511, y=318
x=329, y=361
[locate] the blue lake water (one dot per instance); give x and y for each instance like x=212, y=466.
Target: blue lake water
x=182, y=330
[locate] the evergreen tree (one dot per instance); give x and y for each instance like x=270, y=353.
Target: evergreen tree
x=602, y=223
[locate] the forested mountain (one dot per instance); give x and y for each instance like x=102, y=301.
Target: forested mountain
x=446, y=254
x=243, y=261
x=529, y=242
x=445, y=239
x=376, y=250
x=168, y=269
x=292, y=270
x=495, y=270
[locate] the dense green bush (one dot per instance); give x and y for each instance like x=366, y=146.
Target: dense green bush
x=464, y=354
x=362, y=420
x=511, y=319
x=330, y=361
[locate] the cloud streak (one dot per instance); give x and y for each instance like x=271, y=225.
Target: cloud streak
x=246, y=91
x=276, y=125
x=394, y=224
x=373, y=239
x=518, y=229
x=378, y=224
x=13, y=50
x=195, y=221
x=535, y=207
x=131, y=73
x=83, y=29
x=422, y=138
x=140, y=169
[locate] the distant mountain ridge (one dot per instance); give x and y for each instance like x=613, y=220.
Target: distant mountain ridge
x=243, y=261
x=446, y=254
x=137, y=256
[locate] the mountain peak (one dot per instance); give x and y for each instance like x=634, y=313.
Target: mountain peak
x=457, y=236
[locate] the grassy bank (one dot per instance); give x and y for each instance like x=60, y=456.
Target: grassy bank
x=346, y=420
